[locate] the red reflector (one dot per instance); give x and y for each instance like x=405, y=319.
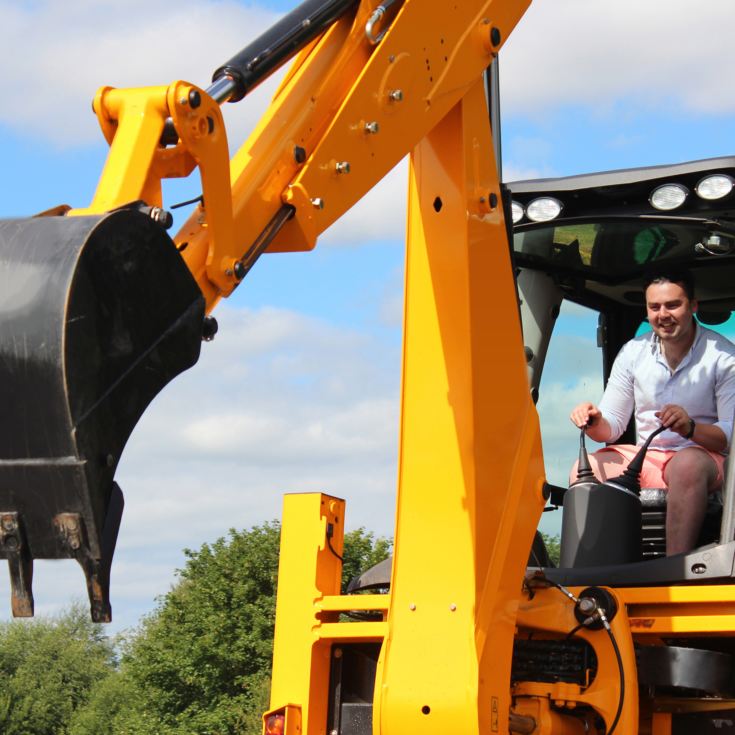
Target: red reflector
x=274, y=725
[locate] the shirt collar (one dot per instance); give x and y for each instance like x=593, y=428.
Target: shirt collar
x=656, y=343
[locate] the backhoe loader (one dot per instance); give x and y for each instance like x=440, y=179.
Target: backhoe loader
x=100, y=308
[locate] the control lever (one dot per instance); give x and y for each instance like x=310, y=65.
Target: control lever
x=630, y=479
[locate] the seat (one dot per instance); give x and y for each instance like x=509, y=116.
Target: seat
x=653, y=527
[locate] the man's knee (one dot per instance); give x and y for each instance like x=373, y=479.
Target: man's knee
x=691, y=468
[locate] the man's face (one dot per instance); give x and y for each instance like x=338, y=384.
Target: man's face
x=670, y=312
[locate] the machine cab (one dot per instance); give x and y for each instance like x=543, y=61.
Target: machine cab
x=588, y=242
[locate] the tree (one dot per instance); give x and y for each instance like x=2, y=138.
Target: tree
x=201, y=662
x=110, y=709
x=48, y=667
x=552, y=547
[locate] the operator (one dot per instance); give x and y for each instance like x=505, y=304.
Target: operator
x=681, y=375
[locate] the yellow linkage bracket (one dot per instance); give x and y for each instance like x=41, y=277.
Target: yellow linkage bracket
x=133, y=122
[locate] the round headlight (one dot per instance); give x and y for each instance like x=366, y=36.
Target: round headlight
x=668, y=196
x=714, y=187
x=543, y=209
x=516, y=212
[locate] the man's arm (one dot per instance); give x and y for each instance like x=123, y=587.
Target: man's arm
x=725, y=396
x=607, y=422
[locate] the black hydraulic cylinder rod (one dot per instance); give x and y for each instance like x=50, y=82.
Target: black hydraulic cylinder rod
x=271, y=49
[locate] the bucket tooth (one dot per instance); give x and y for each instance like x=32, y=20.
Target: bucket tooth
x=20, y=564
x=72, y=535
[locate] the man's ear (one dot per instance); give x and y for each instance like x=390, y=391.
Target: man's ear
x=695, y=305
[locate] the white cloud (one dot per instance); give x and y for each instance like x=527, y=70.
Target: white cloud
x=598, y=54
x=55, y=55
x=391, y=302
x=278, y=403
x=556, y=403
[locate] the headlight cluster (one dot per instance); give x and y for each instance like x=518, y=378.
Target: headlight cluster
x=665, y=198
x=671, y=196
x=541, y=209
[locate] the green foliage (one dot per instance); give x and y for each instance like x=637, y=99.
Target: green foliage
x=200, y=662
x=552, y=546
x=107, y=708
x=198, y=665
x=48, y=667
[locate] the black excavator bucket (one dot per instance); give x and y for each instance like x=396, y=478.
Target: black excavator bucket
x=97, y=314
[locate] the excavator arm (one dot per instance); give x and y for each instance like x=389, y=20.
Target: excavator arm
x=101, y=308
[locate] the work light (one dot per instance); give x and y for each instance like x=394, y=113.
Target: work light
x=715, y=186
x=516, y=212
x=543, y=209
x=668, y=196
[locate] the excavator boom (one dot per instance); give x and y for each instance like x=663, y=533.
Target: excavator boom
x=101, y=308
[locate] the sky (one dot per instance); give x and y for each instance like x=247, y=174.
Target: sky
x=299, y=391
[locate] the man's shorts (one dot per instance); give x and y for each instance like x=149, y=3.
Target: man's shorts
x=652, y=474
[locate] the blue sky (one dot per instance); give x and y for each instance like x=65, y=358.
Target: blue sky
x=299, y=391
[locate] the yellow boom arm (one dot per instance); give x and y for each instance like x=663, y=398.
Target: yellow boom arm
x=345, y=114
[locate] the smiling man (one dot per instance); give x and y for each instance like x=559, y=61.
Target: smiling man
x=680, y=375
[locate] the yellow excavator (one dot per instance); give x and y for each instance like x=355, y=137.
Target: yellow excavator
x=100, y=308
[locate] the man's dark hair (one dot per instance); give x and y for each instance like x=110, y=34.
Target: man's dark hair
x=673, y=275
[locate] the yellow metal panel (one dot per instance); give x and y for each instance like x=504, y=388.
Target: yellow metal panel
x=308, y=570
x=335, y=89
x=132, y=121
x=352, y=632
x=676, y=620
x=417, y=73
x=710, y=593
x=661, y=724
x=346, y=105
x=470, y=467
x=354, y=602
x=551, y=611
x=202, y=132
x=681, y=610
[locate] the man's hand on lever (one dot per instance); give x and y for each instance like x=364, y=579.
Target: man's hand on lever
x=676, y=419
x=586, y=415
x=709, y=436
